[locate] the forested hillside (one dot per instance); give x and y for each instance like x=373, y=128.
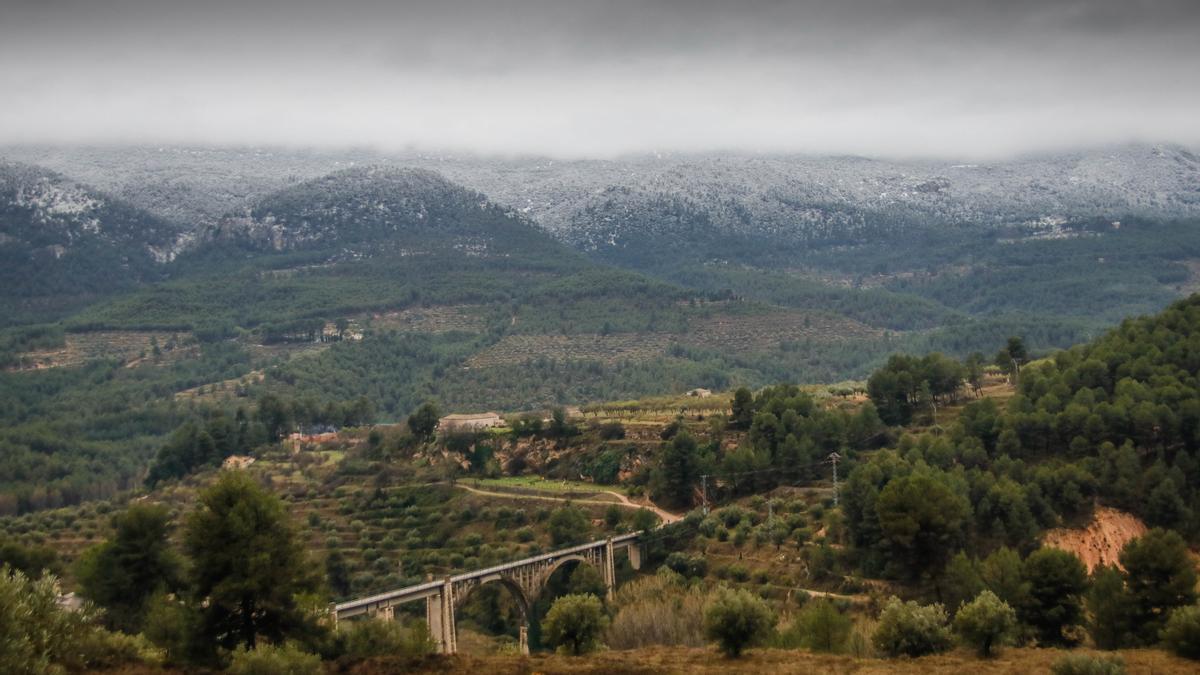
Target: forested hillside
x=314, y=291
x=1067, y=243
x=391, y=211
x=967, y=482
x=63, y=244
x=1113, y=422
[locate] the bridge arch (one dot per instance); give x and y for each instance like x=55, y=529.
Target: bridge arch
x=544, y=578
x=524, y=605
x=525, y=579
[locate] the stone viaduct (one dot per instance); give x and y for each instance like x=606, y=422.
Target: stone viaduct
x=525, y=579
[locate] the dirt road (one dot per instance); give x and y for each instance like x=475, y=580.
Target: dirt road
x=665, y=516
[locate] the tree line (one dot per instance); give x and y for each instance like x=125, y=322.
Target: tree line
x=788, y=436
x=214, y=435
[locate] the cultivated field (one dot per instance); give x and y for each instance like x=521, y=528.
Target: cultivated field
x=129, y=347
x=742, y=332
x=517, y=349
x=468, y=318
x=769, y=330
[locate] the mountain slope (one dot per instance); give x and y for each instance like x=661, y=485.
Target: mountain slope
x=797, y=196
x=373, y=210
x=60, y=240
x=359, y=240
x=812, y=198
x=959, y=236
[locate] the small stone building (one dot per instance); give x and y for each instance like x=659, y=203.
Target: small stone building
x=237, y=462
x=470, y=422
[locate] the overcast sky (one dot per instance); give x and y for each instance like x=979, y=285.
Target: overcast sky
x=951, y=78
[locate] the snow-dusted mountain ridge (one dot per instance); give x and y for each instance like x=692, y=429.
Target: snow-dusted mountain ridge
x=588, y=202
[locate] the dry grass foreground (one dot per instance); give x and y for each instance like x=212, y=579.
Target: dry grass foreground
x=759, y=662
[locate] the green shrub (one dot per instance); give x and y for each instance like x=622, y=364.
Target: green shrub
x=103, y=649
x=909, y=629
x=738, y=572
x=1088, y=664
x=612, y=516
x=740, y=535
x=170, y=626
x=36, y=634
x=575, y=623
x=658, y=610
x=371, y=638
x=730, y=516
x=274, y=660
x=644, y=519
x=737, y=619
x=1181, y=635
x=569, y=526
x=823, y=627
x=986, y=622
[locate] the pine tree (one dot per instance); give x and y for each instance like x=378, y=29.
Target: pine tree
x=1160, y=576
x=249, y=570
x=1108, y=604
x=679, y=470
x=121, y=574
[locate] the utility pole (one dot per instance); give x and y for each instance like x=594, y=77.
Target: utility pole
x=704, y=492
x=833, y=459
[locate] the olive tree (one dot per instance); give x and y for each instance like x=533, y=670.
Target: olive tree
x=910, y=629
x=737, y=619
x=575, y=623
x=985, y=622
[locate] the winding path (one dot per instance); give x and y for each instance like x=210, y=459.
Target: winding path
x=665, y=516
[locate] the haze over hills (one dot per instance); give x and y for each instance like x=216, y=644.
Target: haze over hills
x=933, y=239
x=856, y=334
x=805, y=197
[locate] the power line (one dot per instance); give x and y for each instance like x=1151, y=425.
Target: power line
x=727, y=474
x=833, y=459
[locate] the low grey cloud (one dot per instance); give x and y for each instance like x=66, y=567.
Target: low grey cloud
x=966, y=78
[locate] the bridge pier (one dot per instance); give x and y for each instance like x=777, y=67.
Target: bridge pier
x=439, y=614
x=525, y=579
x=635, y=556
x=610, y=570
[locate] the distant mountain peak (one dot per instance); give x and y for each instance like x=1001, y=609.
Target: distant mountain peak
x=59, y=237
x=371, y=210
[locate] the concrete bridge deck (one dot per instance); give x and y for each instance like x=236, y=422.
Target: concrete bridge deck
x=525, y=578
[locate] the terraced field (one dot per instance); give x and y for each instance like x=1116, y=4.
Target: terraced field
x=517, y=349
x=765, y=331
x=389, y=533
x=469, y=318
x=752, y=332
x=133, y=348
